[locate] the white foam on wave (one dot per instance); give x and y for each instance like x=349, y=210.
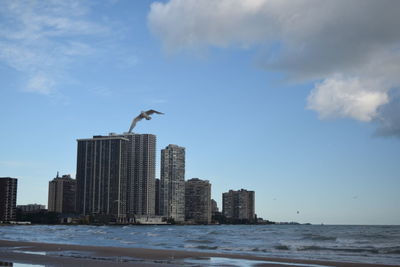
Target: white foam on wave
x=128, y=242
x=220, y=261
x=152, y=234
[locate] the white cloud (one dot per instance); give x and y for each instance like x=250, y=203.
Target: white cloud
x=338, y=97
x=353, y=47
x=40, y=84
x=191, y=23
x=40, y=39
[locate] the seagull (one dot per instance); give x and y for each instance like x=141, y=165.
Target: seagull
x=143, y=115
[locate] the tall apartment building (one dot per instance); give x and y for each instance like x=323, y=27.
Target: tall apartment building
x=172, y=189
x=62, y=193
x=101, y=176
x=238, y=206
x=157, y=197
x=198, y=201
x=116, y=175
x=141, y=171
x=8, y=198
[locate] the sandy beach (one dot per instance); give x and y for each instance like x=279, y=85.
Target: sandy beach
x=75, y=255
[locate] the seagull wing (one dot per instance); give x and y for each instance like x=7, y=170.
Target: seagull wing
x=134, y=121
x=152, y=111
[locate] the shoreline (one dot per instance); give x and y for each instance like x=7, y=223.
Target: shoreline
x=69, y=255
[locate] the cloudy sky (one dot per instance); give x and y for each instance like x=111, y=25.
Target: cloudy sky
x=297, y=100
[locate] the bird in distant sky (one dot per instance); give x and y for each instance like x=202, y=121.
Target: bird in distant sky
x=143, y=115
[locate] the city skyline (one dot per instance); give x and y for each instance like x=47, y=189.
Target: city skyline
x=291, y=111
x=116, y=181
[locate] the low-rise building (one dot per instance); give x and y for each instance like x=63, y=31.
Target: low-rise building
x=31, y=208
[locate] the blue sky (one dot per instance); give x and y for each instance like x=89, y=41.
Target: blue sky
x=295, y=100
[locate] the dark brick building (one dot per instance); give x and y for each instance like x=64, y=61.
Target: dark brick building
x=8, y=199
x=238, y=206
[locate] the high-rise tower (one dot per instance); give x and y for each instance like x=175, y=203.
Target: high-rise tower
x=172, y=191
x=62, y=192
x=116, y=175
x=157, y=197
x=102, y=176
x=198, y=201
x=238, y=206
x=8, y=198
x=141, y=170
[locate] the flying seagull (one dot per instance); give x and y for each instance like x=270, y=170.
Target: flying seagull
x=143, y=115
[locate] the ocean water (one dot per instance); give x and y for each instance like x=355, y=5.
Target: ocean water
x=365, y=244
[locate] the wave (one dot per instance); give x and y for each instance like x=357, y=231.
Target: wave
x=207, y=247
x=96, y=232
x=319, y=237
x=152, y=234
x=282, y=247
x=351, y=250
x=259, y=250
x=371, y=250
x=369, y=244
x=114, y=238
x=390, y=250
x=214, y=233
x=202, y=241
x=202, y=247
x=128, y=242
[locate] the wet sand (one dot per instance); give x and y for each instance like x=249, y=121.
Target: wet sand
x=75, y=255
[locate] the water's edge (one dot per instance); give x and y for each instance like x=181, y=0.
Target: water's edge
x=360, y=244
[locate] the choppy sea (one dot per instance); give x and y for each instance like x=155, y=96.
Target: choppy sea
x=365, y=244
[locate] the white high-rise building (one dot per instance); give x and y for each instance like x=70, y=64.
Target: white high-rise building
x=141, y=172
x=172, y=183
